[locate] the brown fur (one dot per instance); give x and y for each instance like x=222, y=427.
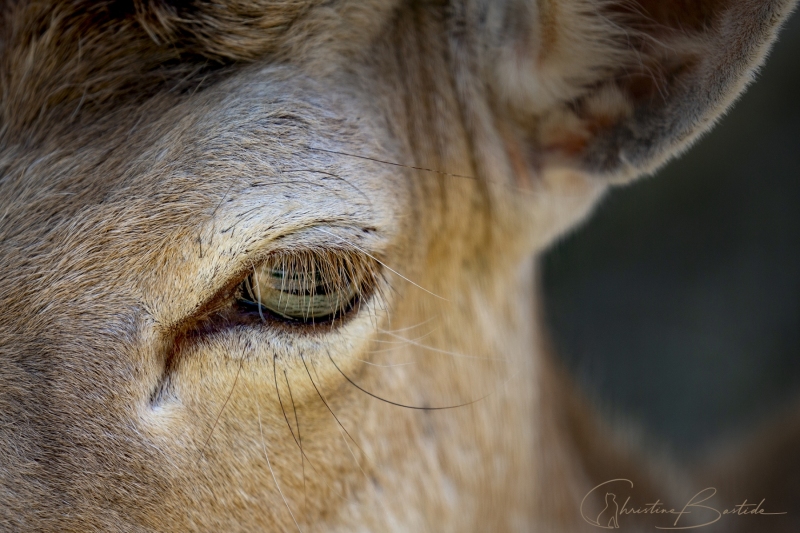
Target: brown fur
x=152, y=153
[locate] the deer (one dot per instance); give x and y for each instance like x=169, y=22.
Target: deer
x=271, y=265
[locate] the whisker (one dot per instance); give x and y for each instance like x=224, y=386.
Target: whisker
x=269, y=464
x=278, y=392
x=379, y=498
x=403, y=339
x=446, y=352
x=424, y=169
x=415, y=326
x=300, y=438
x=303, y=359
x=214, y=212
x=214, y=426
x=386, y=366
x=298, y=441
x=394, y=344
x=331, y=174
x=383, y=341
x=395, y=164
x=415, y=407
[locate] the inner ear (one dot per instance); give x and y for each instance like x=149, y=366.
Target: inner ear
x=614, y=87
x=683, y=15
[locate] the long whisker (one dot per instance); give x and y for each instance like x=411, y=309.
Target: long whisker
x=395, y=164
x=415, y=407
x=403, y=341
x=269, y=464
x=342, y=428
x=278, y=392
x=386, y=366
x=520, y=190
x=297, y=441
x=395, y=344
x=445, y=352
x=214, y=426
x=388, y=349
x=299, y=437
x=321, y=397
x=331, y=174
x=415, y=326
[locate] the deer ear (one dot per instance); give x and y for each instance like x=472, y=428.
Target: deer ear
x=615, y=87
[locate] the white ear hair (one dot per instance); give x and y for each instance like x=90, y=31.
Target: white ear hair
x=615, y=87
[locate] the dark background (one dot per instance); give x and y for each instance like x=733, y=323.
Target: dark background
x=678, y=303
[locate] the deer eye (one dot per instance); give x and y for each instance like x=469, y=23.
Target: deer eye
x=307, y=287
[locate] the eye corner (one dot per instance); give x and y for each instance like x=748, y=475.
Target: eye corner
x=233, y=307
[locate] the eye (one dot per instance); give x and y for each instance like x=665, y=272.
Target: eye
x=308, y=286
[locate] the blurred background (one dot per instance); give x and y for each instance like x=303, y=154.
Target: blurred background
x=677, y=304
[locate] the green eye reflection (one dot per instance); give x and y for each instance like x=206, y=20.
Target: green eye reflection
x=307, y=286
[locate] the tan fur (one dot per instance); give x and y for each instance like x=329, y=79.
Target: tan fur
x=153, y=153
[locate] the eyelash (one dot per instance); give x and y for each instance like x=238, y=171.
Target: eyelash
x=304, y=288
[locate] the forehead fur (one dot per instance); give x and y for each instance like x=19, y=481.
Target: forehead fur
x=61, y=60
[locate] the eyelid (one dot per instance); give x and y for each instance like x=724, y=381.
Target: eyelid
x=311, y=284
x=224, y=262
x=334, y=239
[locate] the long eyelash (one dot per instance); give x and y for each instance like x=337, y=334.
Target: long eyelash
x=344, y=274
x=258, y=293
x=384, y=265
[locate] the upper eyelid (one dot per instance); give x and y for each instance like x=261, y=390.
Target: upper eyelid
x=226, y=280
x=193, y=324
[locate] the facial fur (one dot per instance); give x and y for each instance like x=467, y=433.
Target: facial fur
x=153, y=154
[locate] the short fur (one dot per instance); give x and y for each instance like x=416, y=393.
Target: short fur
x=153, y=152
